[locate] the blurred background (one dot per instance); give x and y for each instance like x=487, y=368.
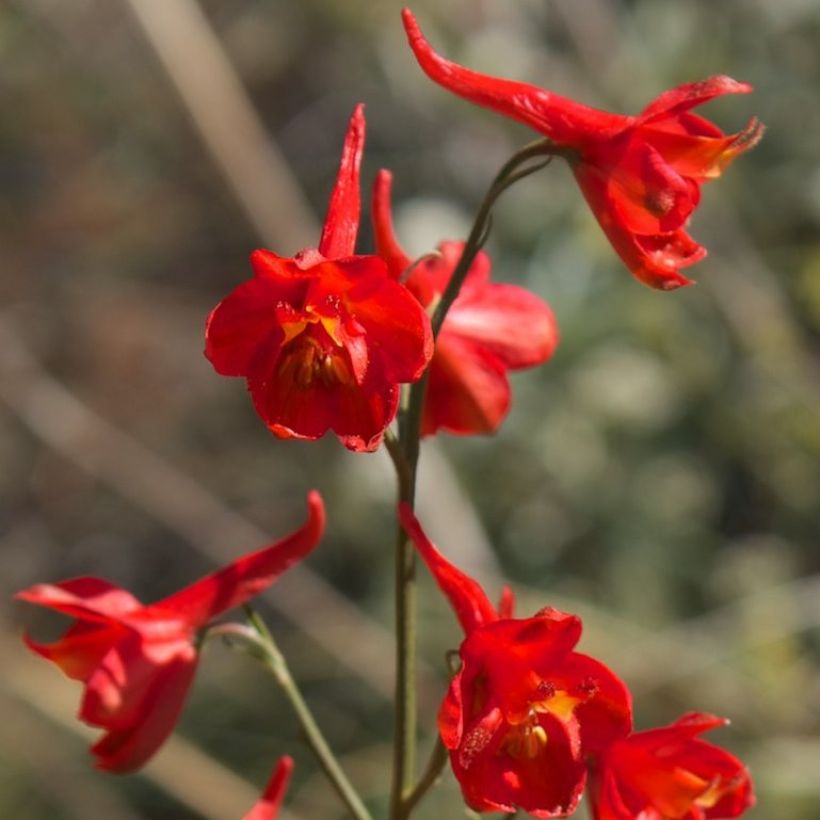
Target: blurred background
x=660, y=476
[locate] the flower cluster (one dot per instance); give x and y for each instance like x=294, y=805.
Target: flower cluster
x=526, y=717
x=328, y=340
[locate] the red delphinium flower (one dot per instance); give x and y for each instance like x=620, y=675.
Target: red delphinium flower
x=267, y=807
x=137, y=662
x=524, y=709
x=489, y=329
x=325, y=338
x=669, y=774
x=640, y=175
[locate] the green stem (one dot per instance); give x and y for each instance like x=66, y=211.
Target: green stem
x=432, y=773
x=405, y=455
x=478, y=234
x=260, y=641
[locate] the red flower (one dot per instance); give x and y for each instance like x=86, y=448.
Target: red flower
x=668, y=774
x=267, y=807
x=640, y=175
x=524, y=709
x=324, y=338
x=488, y=330
x=137, y=662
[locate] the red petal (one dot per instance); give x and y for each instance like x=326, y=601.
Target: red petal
x=517, y=655
x=655, y=260
x=357, y=413
x=267, y=808
x=699, y=157
x=606, y=800
x=470, y=603
x=398, y=330
x=549, y=784
x=467, y=389
x=342, y=220
x=563, y=120
x=687, y=96
x=249, y=317
x=387, y=246
x=248, y=575
x=648, y=195
x=81, y=648
x=92, y=599
x=290, y=275
x=119, y=686
x=513, y=323
x=451, y=714
x=126, y=749
x=606, y=715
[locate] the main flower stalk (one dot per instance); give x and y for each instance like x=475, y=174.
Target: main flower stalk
x=404, y=452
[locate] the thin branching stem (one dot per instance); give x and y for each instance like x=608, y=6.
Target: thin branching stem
x=258, y=641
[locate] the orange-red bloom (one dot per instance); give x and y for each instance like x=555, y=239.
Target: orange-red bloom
x=640, y=175
x=137, y=662
x=669, y=774
x=489, y=329
x=267, y=807
x=524, y=709
x=325, y=338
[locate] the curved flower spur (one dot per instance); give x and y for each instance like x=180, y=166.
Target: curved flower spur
x=641, y=175
x=324, y=338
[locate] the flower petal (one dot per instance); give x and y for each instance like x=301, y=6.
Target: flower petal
x=654, y=259
x=126, y=748
x=117, y=689
x=604, y=711
x=342, y=220
x=88, y=598
x=547, y=784
x=357, y=412
x=467, y=389
x=81, y=648
x=267, y=807
x=246, y=576
x=468, y=599
x=399, y=336
x=700, y=157
x=689, y=95
x=510, y=321
x=248, y=317
x=451, y=714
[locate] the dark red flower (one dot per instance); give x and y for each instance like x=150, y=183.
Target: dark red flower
x=488, y=330
x=267, y=807
x=325, y=338
x=524, y=709
x=640, y=175
x=137, y=662
x=669, y=774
